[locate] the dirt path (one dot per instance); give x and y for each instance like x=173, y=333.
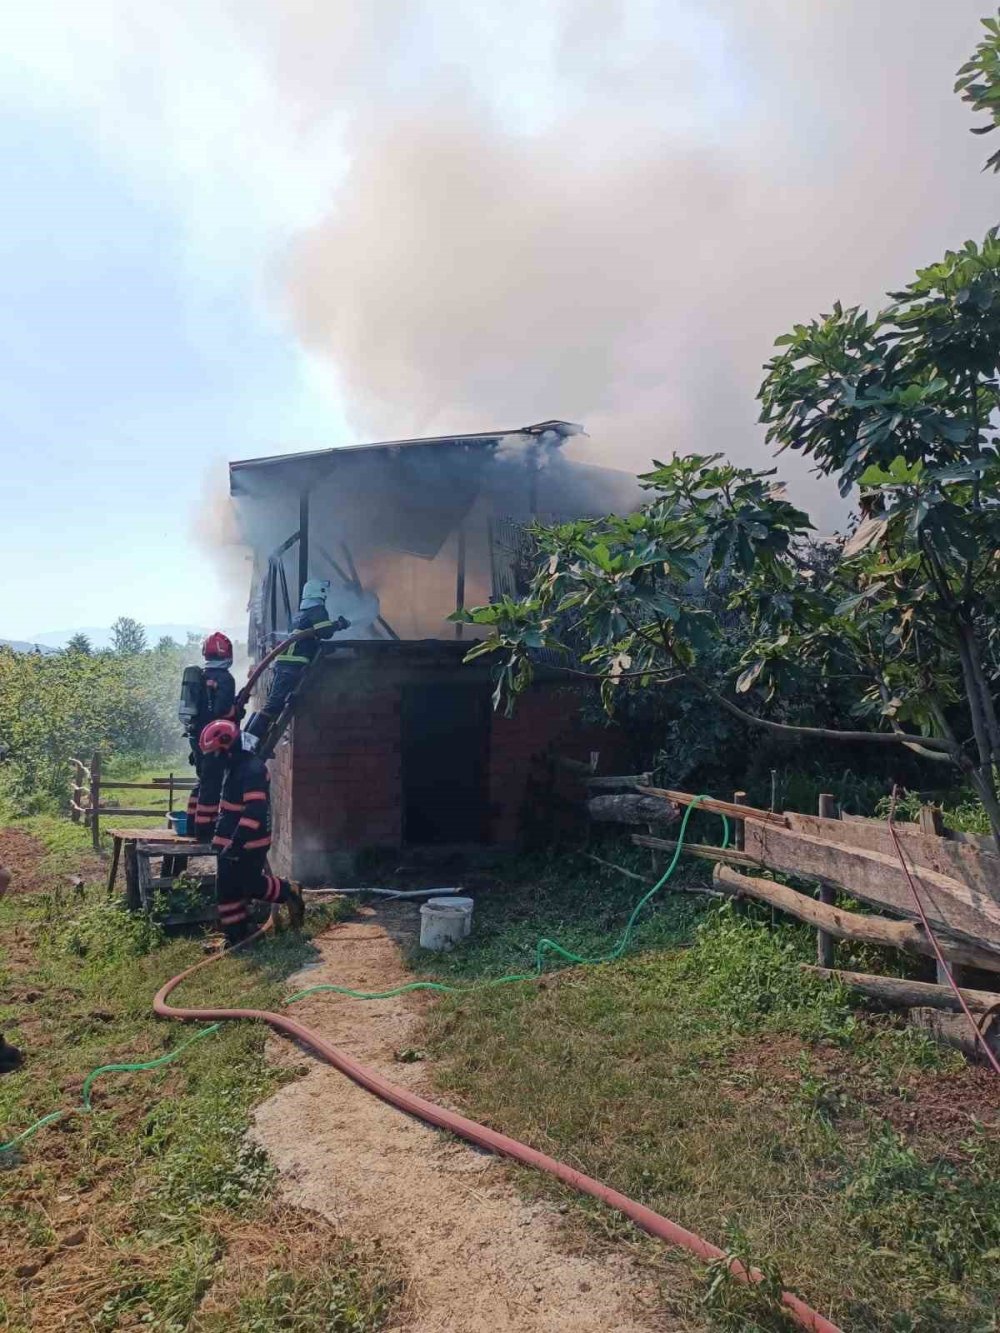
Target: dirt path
x=478, y=1258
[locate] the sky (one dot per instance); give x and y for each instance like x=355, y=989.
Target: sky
x=244, y=227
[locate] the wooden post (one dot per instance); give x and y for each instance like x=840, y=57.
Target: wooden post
x=826, y=945
x=932, y=823
x=739, y=798
x=303, y=540
x=76, y=791
x=170, y=794
x=460, y=579
x=932, y=820
x=95, y=800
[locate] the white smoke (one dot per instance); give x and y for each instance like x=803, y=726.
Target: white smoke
x=479, y=216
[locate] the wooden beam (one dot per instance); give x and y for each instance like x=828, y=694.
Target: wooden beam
x=624, y=783
x=709, y=803
x=632, y=809
x=902, y=994
x=695, y=849
x=131, y=814
x=954, y=1030
x=961, y=909
x=179, y=784
x=825, y=944
x=460, y=579
x=842, y=925
x=95, y=801
x=303, y=540
x=959, y=860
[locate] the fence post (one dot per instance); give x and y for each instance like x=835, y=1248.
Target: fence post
x=826, y=944
x=95, y=800
x=739, y=798
x=932, y=820
x=932, y=823
x=76, y=791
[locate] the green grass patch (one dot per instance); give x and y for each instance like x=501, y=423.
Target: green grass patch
x=719, y=1085
x=160, y=1180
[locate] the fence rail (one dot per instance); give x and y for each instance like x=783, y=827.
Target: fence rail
x=86, y=785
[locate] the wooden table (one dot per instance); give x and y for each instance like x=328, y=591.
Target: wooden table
x=139, y=845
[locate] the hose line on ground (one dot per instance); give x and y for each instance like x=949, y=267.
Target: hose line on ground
x=543, y=946
x=440, y=1117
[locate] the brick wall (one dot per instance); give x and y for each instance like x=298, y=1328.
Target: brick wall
x=338, y=783
x=546, y=722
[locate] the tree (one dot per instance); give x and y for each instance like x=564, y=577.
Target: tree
x=127, y=637
x=80, y=644
x=979, y=83
x=166, y=644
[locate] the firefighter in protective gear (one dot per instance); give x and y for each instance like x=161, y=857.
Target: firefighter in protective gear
x=216, y=703
x=243, y=836
x=313, y=616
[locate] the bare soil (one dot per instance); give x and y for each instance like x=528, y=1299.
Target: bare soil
x=477, y=1258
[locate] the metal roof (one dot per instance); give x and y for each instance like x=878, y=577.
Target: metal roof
x=311, y=458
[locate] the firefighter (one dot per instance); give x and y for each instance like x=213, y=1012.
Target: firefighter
x=313, y=616
x=212, y=699
x=243, y=836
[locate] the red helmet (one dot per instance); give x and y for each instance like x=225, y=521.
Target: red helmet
x=217, y=648
x=219, y=737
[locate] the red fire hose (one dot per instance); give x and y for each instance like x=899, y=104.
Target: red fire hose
x=483, y=1137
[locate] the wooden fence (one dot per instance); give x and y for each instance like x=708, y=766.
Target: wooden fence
x=87, y=784
x=955, y=875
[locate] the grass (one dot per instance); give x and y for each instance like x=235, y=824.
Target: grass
x=142, y=1212
x=720, y=1086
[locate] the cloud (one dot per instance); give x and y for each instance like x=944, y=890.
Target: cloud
x=477, y=216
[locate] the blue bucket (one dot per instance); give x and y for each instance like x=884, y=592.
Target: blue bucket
x=178, y=821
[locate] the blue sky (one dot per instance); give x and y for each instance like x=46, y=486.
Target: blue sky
x=242, y=228
x=126, y=387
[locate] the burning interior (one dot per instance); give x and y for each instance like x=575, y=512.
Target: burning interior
x=393, y=742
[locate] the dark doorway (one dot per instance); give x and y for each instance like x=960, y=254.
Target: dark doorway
x=445, y=747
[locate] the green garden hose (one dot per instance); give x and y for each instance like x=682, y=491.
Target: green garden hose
x=86, y=1106
x=543, y=947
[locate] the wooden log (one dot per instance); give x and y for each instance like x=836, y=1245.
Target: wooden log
x=954, y=1031
x=962, y=910
x=825, y=944
x=962, y=861
x=843, y=925
x=728, y=808
x=627, y=809
x=696, y=849
x=899, y=993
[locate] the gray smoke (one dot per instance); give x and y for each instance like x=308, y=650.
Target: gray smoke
x=606, y=211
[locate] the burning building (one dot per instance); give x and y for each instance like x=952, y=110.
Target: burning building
x=394, y=742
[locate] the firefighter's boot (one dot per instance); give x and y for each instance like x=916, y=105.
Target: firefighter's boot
x=296, y=905
x=10, y=1057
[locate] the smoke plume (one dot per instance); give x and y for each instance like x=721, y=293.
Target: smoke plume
x=606, y=211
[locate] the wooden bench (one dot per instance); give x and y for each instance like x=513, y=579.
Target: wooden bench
x=140, y=847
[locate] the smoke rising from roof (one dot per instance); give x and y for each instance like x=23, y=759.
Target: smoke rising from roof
x=607, y=211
